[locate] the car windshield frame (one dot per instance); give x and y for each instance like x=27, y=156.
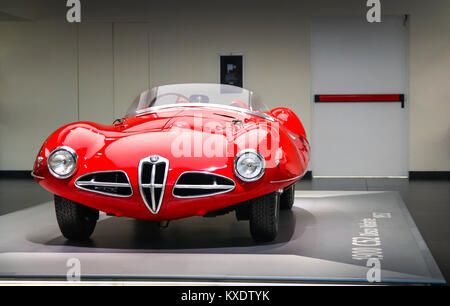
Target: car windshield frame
x=198, y=95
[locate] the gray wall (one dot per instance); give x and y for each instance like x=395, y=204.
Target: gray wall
x=53, y=73
x=38, y=87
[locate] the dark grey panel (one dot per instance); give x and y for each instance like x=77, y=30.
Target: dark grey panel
x=343, y=184
x=315, y=244
x=17, y=194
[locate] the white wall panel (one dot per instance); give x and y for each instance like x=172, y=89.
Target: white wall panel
x=185, y=43
x=38, y=87
x=131, y=64
x=96, y=80
x=351, y=56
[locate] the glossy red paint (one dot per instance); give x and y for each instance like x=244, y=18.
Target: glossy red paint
x=123, y=145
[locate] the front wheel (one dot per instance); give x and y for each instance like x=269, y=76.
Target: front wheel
x=264, y=217
x=76, y=221
x=287, y=198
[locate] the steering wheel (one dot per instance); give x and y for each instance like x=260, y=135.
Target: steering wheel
x=181, y=98
x=239, y=103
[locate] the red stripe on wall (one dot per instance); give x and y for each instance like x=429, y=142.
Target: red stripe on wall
x=361, y=98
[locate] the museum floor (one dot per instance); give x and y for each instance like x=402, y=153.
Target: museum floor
x=428, y=203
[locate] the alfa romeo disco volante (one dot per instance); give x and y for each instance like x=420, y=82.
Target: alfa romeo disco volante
x=181, y=150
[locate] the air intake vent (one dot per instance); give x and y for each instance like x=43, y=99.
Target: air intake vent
x=193, y=184
x=112, y=183
x=152, y=181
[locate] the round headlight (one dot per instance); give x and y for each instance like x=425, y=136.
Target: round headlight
x=62, y=162
x=249, y=165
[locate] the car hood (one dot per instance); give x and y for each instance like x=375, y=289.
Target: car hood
x=175, y=133
x=193, y=118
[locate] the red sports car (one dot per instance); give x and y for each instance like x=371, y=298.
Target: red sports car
x=181, y=150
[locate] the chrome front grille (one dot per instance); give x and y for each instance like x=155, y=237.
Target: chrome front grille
x=193, y=184
x=152, y=181
x=111, y=183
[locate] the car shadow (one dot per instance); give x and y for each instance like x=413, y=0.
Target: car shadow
x=208, y=235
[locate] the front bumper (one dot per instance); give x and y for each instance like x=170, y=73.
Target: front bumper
x=172, y=207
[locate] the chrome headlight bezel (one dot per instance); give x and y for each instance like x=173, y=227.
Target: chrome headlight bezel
x=71, y=152
x=256, y=154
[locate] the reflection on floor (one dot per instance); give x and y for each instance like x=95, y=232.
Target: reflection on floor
x=427, y=201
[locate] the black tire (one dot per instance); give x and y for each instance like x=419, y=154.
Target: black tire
x=264, y=217
x=287, y=198
x=76, y=221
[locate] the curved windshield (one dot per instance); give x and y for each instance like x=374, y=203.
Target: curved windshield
x=196, y=95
